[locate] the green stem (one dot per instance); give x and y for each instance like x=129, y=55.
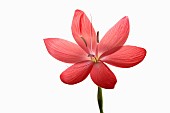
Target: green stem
x=100, y=99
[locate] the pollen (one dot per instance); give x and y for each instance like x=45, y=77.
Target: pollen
x=94, y=59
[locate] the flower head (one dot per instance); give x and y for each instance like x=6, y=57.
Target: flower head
x=89, y=55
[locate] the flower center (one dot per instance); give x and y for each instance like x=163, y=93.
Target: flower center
x=93, y=58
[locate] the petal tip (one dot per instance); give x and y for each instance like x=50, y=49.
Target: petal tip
x=62, y=78
x=144, y=52
x=78, y=11
x=65, y=80
x=125, y=19
x=112, y=86
x=45, y=39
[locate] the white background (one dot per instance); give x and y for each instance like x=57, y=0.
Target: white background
x=29, y=76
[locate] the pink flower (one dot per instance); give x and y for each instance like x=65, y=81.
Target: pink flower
x=89, y=56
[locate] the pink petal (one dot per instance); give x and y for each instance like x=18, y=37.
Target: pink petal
x=65, y=51
x=126, y=57
x=83, y=32
x=115, y=37
x=103, y=76
x=76, y=73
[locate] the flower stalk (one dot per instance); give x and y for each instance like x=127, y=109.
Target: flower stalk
x=100, y=99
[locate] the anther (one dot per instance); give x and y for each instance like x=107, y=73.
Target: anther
x=84, y=40
x=90, y=55
x=97, y=36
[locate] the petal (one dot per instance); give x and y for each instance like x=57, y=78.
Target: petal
x=76, y=73
x=83, y=32
x=65, y=51
x=115, y=37
x=126, y=57
x=103, y=76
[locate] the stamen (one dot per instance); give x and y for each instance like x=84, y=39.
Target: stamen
x=84, y=40
x=80, y=25
x=97, y=36
x=97, y=42
x=90, y=55
x=93, y=58
x=91, y=33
